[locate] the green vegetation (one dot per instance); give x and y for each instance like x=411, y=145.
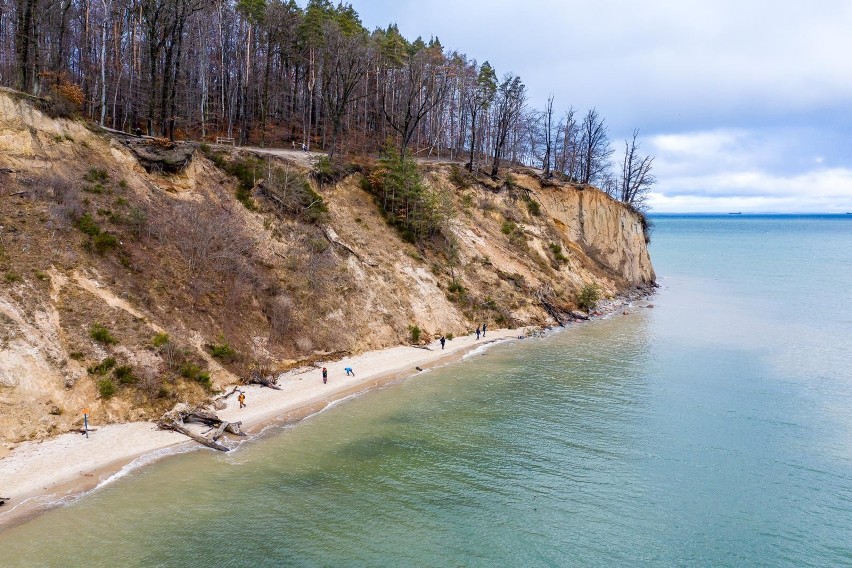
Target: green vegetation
x=104, y=242
x=106, y=387
x=99, y=240
x=13, y=277
x=160, y=340
x=533, y=206
x=96, y=189
x=588, y=296
x=103, y=367
x=195, y=373
x=96, y=175
x=327, y=170
x=244, y=169
x=291, y=193
x=408, y=205
x=508, y=227
x=88, y=225
x=414, y=332
x=223, y=352
x=101, y=334
x=124, y=375
x=556, y=249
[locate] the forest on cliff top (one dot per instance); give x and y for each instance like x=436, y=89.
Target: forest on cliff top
x=270, y=73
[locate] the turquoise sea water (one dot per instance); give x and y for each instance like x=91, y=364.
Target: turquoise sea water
x=712, y=430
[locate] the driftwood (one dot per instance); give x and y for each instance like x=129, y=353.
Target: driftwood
x=174, y=425
x=4, y=499
x=258, y=379
x=561, y=316
x=175, y=420
x=226, y=396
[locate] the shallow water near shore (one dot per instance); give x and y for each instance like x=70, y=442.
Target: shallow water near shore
x=713, y=429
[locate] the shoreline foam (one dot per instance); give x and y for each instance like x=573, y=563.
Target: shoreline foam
x=39, y=476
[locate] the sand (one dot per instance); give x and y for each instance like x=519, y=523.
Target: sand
x=39, y=475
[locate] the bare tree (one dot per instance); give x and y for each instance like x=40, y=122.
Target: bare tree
x=511, y=96
x=422, y=86
x=594, y=148
x=636, y=178
x=479, y=99
x=343, y=71
x=547, y=131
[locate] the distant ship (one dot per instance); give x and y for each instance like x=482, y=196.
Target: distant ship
x=736, y=213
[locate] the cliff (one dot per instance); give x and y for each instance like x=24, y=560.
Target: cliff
x=124, y=289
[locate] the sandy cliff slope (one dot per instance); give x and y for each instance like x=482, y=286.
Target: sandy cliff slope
x=160, y=287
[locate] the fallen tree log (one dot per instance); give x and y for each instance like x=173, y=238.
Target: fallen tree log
x=226, y=396
x=542, y=295
x=258, y=379
x=182, y=414
x=175, y=426
x=4, y=499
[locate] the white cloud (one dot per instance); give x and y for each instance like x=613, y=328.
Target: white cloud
x=746, y=103
x=822, y=190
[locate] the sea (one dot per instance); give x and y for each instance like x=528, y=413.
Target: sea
x=711, y=426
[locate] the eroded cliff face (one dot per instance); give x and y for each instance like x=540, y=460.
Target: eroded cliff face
x=193, y=290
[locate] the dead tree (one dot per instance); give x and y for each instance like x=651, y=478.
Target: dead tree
x=176, y=419
x=258, y=378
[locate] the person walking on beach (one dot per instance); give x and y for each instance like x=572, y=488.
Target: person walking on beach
x=477, y=332
x=349, y=372
x=324, y=375
x=242, y=399
x=483, y=330
x=443, y=340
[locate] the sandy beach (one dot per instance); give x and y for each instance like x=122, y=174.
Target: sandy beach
x=37, y=476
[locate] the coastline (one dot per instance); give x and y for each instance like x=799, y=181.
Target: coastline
x=39, y=476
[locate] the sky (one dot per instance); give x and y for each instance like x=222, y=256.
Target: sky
x=746, y=105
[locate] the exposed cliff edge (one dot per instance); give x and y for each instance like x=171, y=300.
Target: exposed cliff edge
x=124, y=290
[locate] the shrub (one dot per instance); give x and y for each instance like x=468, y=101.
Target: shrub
x=64, y=98
x=244, y=169
x=291, y=193
x=104, y=242
x=124, y=374
x=12, y=277
x=101, y=334
x=87, y=224
x=195, y=373
x=556, y=249
x=508, y=227
x=103, y=367
x=327, y=170
x=415, y=332
x=450, y=336
x=533, y=206
x=106, y=387
x=456, y=288
x=460, y=177
x=222, y=351
x=588, y=296
x=160, y=340
x=96, y=175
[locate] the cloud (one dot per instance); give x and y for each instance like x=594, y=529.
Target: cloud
x=745, y=105
x=769, y=170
